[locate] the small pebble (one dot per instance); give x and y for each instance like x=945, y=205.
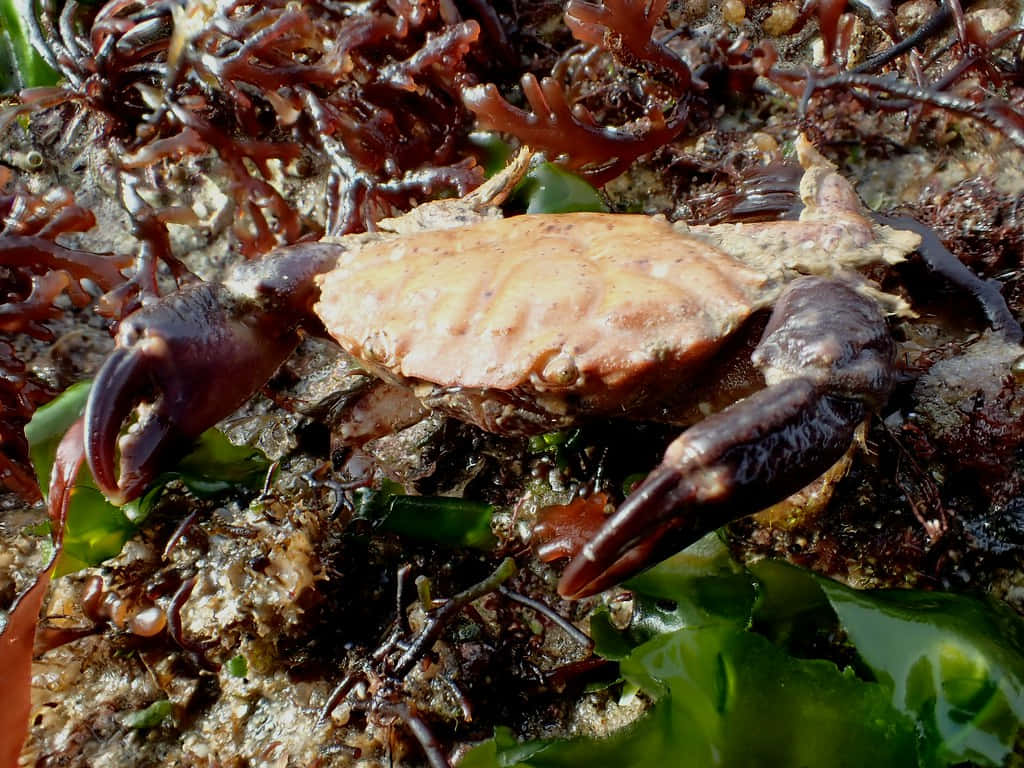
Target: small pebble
x=734, y=11
x=781, y=19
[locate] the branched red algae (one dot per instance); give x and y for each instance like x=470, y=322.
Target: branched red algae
x=35, y=271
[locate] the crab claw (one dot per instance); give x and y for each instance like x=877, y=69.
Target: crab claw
x=182, y=363
x=827, y=356
x=733, y=464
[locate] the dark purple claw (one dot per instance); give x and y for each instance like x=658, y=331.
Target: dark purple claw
x=746, y=458
x=192, y=358
x=628, y=542
x=113, y=396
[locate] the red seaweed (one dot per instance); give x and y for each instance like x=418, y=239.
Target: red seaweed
x=561, y=125
x=278, y=82
x=626, y=29
x=18, y=637
x=553, y=125
x=35, y=272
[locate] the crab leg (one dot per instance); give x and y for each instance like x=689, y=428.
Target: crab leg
x=827, y=357
x=188, y=360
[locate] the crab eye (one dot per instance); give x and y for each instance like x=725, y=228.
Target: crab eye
x=378, y=348
x=560, y=371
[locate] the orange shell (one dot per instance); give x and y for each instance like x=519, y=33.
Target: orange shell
x=584, y=303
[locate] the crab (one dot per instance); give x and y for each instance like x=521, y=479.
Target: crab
x=529, y=323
